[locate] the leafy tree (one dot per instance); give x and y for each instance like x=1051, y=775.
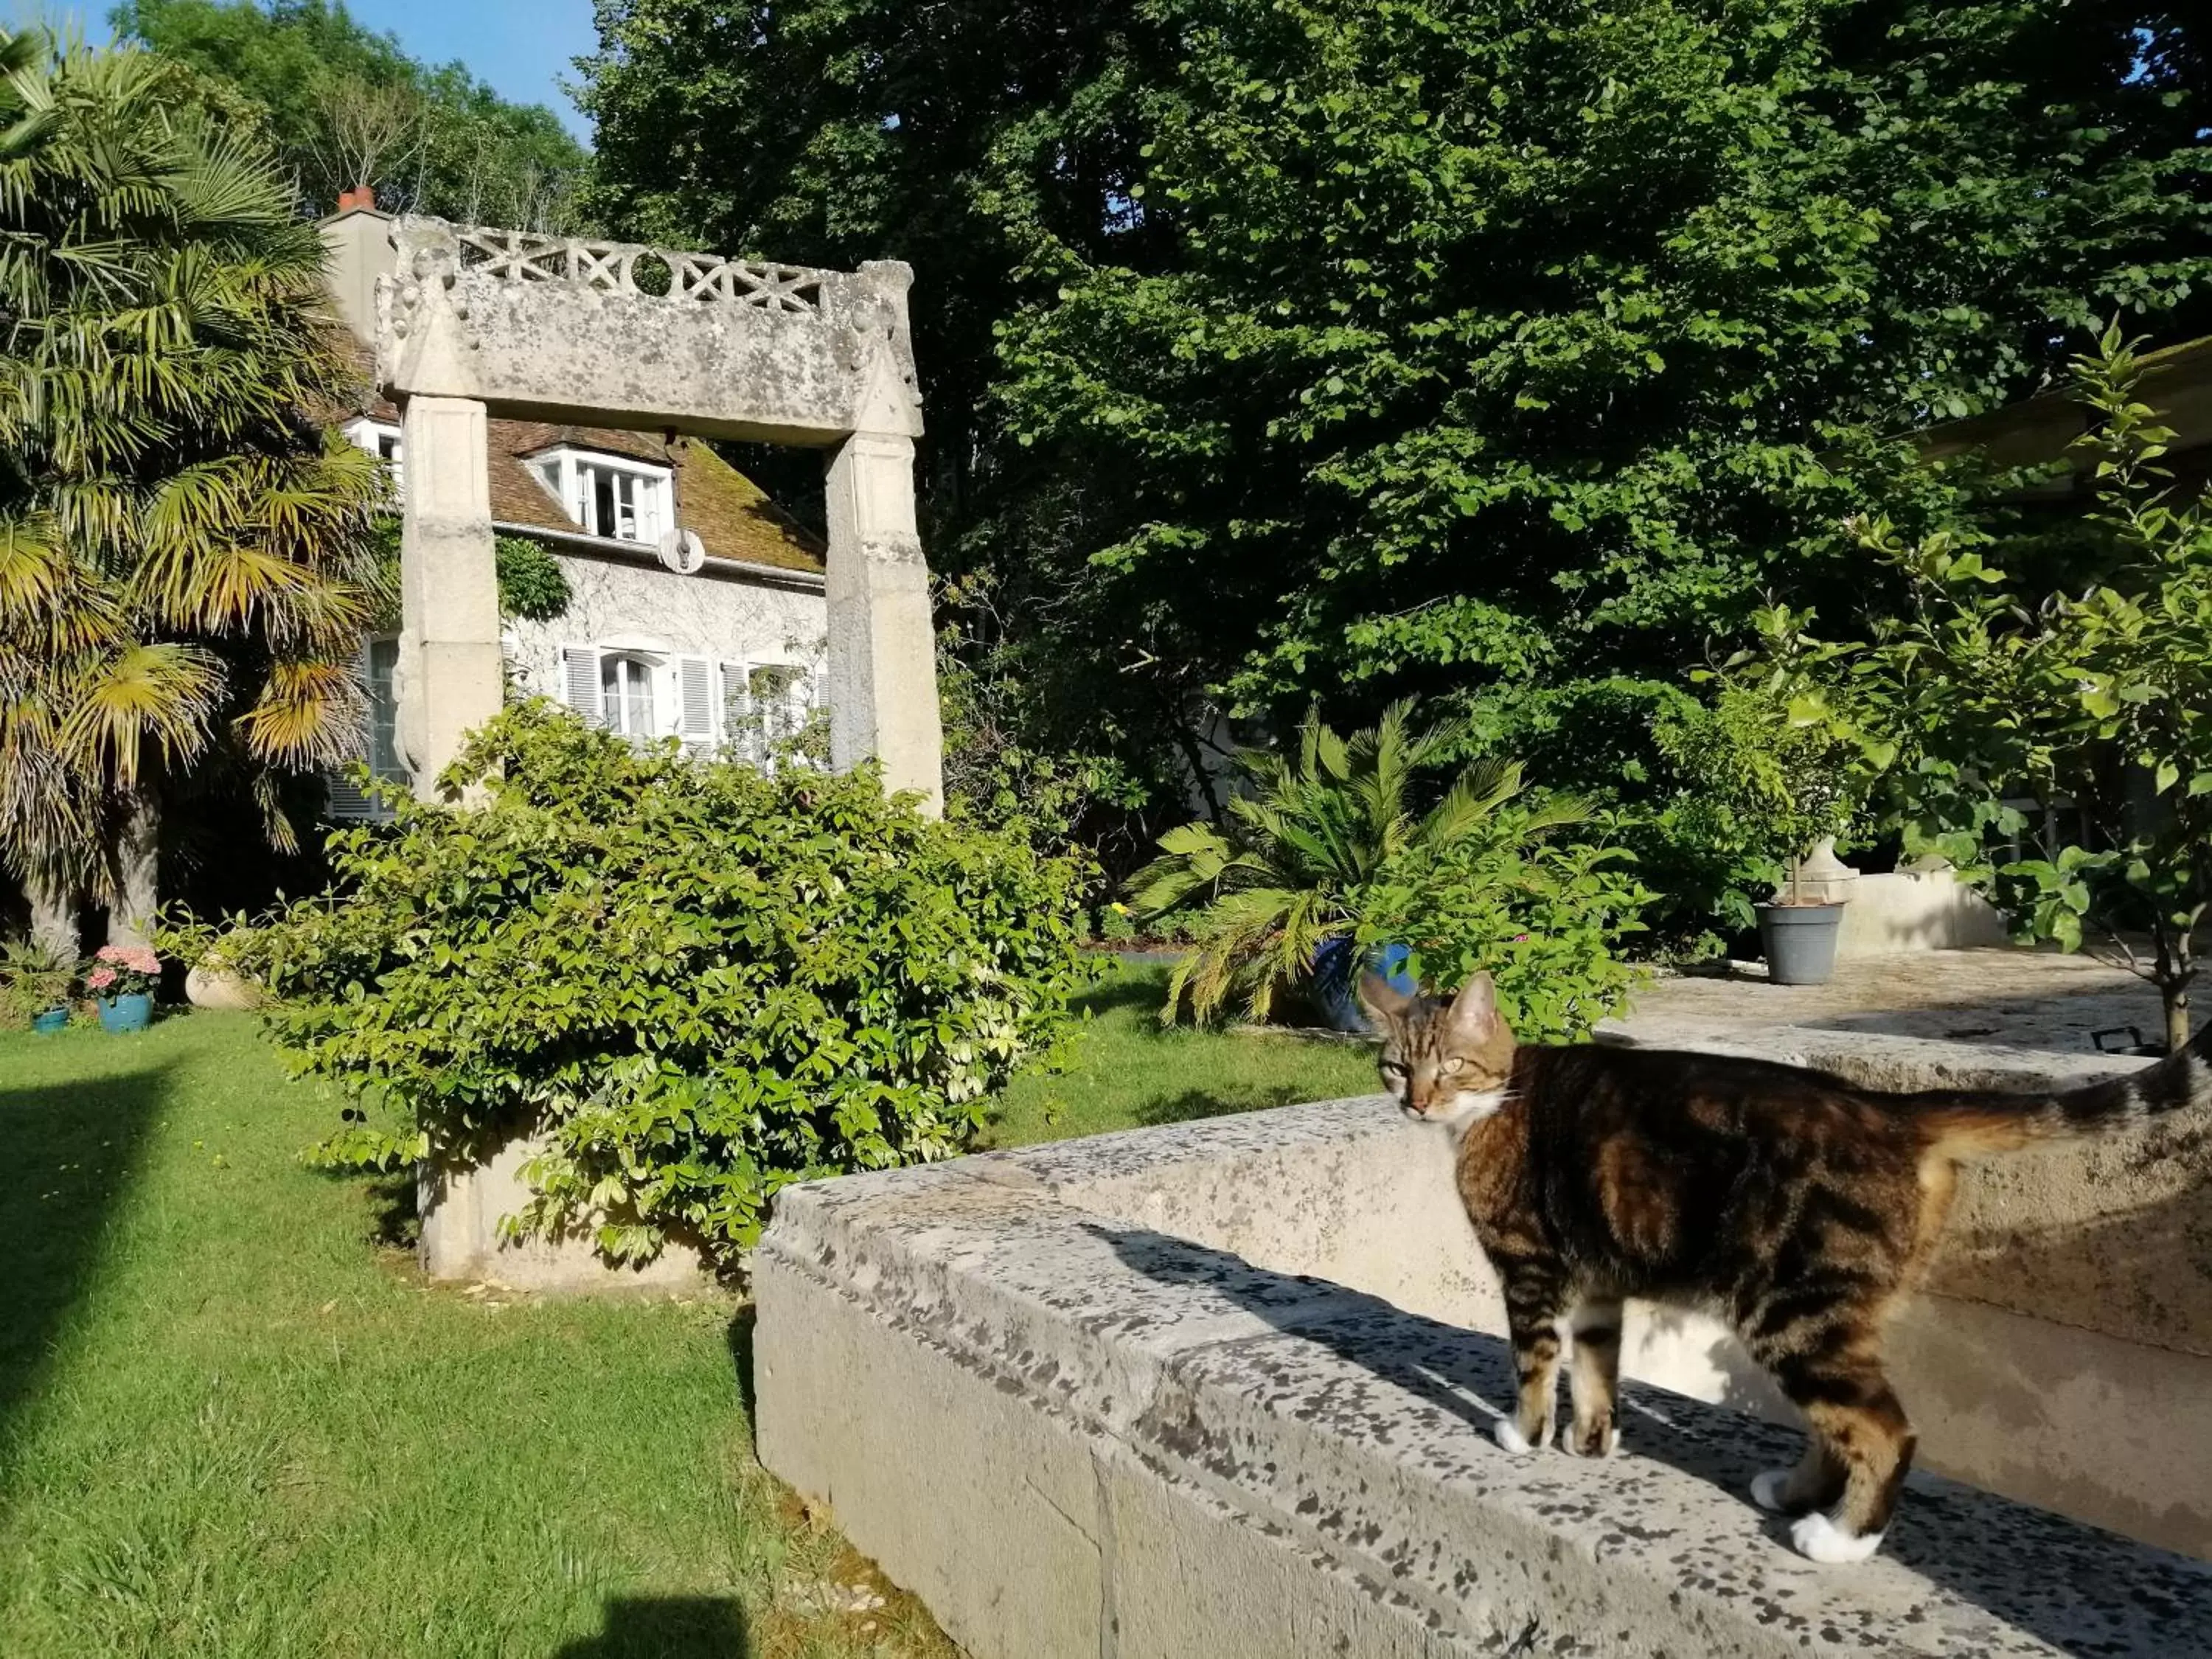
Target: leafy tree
x=1284, y=349
x=184, y=558
x=954, y=136
x=349, y=107
x=2098, y=694
x=1771, y=765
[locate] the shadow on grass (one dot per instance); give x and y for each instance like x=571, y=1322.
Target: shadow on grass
x=1127, y=990
x=666, y=1627
x=73, y=1150
x=395, y=1215
x=740, y=1339
x=1195, y=1103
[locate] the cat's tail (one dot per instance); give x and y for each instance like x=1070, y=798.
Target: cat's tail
x=1972, y=1126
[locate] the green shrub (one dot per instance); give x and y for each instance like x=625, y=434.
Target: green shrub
x=1305, y=850
x=32, y=979
x=1547, y=920
x=699, y=981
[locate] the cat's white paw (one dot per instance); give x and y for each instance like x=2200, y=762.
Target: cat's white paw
x=1818, y=1538
x=1508, y=1434
x=1767, y=1489
x=1571, y=1440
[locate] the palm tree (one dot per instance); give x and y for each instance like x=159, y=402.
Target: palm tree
x=1278, y=878
x=186, y=566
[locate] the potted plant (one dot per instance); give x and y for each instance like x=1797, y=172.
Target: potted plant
x=122, y=980
x=213, y=978
x=1782, y=771
x=39, y=984
x=1273, y=889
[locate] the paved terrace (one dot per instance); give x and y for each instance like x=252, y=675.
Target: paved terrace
x=2035, y=1000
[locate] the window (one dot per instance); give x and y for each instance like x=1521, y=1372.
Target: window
x=382, y=441
x=384, y=711
x=626, y=696
x=764, y=705
x=611, y=495
x=647, y=693
x=380, y=745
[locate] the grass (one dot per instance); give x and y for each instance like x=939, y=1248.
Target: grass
x=1129, y=1071
x=235, y=1421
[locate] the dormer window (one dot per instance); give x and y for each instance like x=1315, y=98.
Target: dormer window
x=610, y=496
x=381, y=440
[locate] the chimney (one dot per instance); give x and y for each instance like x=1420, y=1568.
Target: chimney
x=360, y=197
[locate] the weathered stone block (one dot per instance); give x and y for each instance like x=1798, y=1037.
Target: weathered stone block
x=1283, y=1463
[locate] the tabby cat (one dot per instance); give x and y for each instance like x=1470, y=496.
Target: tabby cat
x=1794, y=1205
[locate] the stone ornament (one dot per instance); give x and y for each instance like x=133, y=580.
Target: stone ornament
x=524, y=256
x=563, y=327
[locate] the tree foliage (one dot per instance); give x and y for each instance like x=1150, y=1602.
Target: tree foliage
x=347, y=106
x=185, y=564
x=1281, y=349
x=697, y=980
x=2096, y=696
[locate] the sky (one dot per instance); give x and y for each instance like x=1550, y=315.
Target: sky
x=521, y=47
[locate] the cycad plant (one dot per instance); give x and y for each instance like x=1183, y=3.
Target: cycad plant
x=184, y=559
x=1278, y=877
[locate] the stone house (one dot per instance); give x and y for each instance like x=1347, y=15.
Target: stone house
x=697, y=605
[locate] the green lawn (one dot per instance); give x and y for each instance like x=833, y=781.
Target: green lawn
x=1129, y=1071
x=232, y=1420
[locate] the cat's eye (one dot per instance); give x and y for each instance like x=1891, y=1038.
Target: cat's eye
x=1453, y=1063
x=1392, y=1068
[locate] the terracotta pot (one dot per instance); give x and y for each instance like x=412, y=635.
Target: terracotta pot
x=220, y=988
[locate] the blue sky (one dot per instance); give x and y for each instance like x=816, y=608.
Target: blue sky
x=522, y=47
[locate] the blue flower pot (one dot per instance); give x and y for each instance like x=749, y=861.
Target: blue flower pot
x=53, y=1020
x=127, y=1014
x=1337, y=968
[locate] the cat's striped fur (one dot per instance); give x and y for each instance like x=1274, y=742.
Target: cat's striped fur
x=1797, y=1206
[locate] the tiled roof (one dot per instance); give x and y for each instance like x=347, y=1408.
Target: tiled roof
x=733, y=516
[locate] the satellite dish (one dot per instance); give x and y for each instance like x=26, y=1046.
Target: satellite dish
x=682, y=551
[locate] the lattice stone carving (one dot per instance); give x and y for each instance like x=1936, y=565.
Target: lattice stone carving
x=523, y=256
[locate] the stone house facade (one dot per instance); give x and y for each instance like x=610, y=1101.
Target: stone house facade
x=697, y=605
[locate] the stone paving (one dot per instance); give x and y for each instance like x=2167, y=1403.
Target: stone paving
x=2016, y=998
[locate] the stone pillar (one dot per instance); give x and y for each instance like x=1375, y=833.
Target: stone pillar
x=883, y=648
x=448, y=672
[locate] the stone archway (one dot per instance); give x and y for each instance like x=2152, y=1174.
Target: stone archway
x=479, y=323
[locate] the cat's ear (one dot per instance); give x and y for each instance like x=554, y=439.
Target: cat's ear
x=1382, y=1000
x=1473, y=1013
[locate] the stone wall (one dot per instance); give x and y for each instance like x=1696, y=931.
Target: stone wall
x=1224, y=1389
x=706, y=615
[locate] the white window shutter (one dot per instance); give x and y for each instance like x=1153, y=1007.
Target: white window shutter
x=347, y=799
x=579, y=683
x=695, y=703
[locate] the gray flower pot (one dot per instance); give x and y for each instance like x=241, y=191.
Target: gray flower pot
x=1799, y=941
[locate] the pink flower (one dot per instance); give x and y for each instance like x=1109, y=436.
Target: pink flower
x=99, y=979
